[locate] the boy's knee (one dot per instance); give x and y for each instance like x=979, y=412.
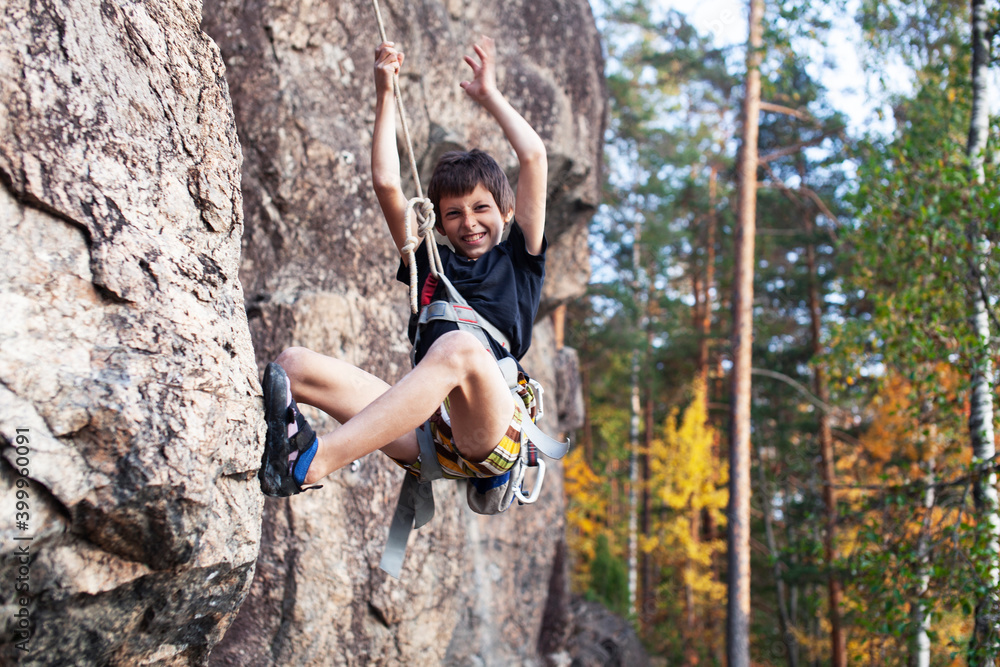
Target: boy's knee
x=459, y=349
x=292, y=359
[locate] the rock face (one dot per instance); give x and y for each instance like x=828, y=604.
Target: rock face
x=129, y=402
x=319, y=267
x=599, y=638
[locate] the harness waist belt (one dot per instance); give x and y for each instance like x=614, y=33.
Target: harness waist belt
x=464, y=316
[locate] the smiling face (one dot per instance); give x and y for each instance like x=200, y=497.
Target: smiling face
x=472, y=222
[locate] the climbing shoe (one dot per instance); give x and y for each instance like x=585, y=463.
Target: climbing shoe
x=281, y=451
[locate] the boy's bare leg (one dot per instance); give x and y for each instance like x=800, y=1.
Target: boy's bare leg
x=339, y=389
x=456, y=365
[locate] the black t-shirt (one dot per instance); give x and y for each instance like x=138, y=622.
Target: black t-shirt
x=504, y=286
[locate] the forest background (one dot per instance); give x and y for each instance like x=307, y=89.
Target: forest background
x=873, y=529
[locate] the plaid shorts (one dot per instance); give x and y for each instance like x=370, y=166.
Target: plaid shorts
x=499, y=461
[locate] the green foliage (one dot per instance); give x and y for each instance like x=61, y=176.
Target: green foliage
x=888, y=568
x=915, y=205
x=608, y=578
x=888, y=256
x=926, y=37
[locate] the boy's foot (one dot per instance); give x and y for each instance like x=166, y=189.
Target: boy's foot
x=278, y=470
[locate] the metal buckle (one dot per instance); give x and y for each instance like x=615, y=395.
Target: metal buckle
x=538, y=391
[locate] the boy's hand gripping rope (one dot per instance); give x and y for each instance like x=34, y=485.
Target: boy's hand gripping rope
x=419, y=205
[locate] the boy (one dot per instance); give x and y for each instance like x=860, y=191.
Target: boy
x=455, y=379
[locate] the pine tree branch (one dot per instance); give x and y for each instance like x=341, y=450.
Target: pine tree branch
x=767, y=231
x=795, y=199
x=845, y=437
x=809, y=192
x=795, y=148
x=981, y=468
x=778, y=183
x=795, y=384
x=788, y=111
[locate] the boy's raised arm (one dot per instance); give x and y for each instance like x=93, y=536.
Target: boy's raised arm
x=385, y=159
x=532, y=179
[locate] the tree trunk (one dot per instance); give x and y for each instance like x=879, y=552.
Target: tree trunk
x=647, y=617
x=704, y=311
x=738, y=618
x=817, y=631
x=986, y=638
x=784, y=620
x=691, y=638
x=834, y=585
x=702, y=284
x=701, y=363
x=633, y=495
x=704, y=356
x=615, y=512
x=793, y=599
x=588, y=426
x=920, y=653
x=559, y=326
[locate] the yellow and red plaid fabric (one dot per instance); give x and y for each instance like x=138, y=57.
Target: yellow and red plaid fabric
x=500, y=460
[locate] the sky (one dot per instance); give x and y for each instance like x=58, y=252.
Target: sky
x=839, y=67
x=726, y=20
x=848, y=85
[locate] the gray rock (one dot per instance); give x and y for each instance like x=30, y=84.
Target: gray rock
x=599, y=638
x=124, y=348
x=319, y=270
x=570, y=387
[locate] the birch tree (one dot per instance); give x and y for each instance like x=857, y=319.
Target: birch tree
x=928, y=215
x=986, y=637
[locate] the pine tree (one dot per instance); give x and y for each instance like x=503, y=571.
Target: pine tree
x=738, y=625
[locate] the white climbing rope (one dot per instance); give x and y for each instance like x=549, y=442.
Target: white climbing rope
x=419, y=207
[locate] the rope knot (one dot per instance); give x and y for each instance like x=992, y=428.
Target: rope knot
x=424, y=211
x=410, y=245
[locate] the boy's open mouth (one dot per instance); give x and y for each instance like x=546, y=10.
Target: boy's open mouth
x=474, y=238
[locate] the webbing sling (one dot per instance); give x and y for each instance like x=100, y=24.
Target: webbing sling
x=415, y=506
x=545, y=443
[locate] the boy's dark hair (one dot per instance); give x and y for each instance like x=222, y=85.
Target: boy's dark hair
x=459, y=172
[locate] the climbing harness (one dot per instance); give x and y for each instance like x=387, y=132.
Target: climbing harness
x=486, y=495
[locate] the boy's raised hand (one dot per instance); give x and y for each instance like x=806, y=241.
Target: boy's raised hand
x=532, y=176
x=484, y=79
x=388, y=62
